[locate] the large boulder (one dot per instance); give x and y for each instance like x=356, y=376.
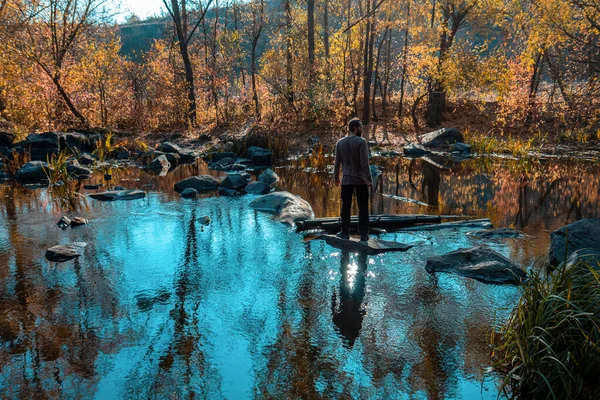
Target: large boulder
x=234, y=182
x=217, y=156
x=441, y=138
x=286, y=207
x=43, y=145
x=33, y=171
x=173, y=158
x=582, y=236
x=479, y=263
x=268, y=176
x=201, y=183
x=259, y=156
x=257, y=187
x=115, y=195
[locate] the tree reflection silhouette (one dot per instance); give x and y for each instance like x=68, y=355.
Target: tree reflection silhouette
x=347, y=304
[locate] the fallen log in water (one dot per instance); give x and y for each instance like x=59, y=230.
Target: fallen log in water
x=483, y=223
x=387, y=222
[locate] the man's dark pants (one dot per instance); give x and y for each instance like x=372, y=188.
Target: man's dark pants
x=362, y=198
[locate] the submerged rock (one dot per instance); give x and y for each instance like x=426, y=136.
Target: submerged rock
x=93, y=187
x=441, y=138
x=259, y=156
x=115, y=195
x=229, y=192
x=582, y=236
x=268, y=176
x=286, y=207
x=234, y=182
x=479, y=263
x=415, y=150
x=257, y=187
x=189, y=193
x=65, y=252
x=372, y=246
x=200, y=183
x=78, y=221
x=33, y=171
x=500, y=233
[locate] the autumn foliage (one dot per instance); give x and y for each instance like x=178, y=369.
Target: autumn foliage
x=525, y=65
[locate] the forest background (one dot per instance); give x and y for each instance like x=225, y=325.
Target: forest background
x=494, y=68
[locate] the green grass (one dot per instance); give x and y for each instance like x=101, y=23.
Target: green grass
x=550, y=346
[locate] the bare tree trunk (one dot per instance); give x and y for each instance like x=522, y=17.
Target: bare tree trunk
x=288, y=53
x=311, y=41
x=404, y=61
x=253, y=71
x=368, y=65
x=67, y=100
x=533, y=86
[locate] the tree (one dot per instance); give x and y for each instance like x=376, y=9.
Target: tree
x=178, y=10
x=50, y=31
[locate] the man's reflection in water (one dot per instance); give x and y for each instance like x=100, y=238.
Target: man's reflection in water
x=430, y=185
x=347, y=310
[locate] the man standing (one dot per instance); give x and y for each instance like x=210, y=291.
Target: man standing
x=352, y=152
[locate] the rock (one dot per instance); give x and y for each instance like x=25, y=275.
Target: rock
x=584, y=258
x=257, y=187
x=168, y=147
x=582, y=236
x=189, y=193
x=115, y=195
x=245, y=162
x=286, y=207
x=86, y=159
x=389, y=154
x=415, y=150
x=500, y=233
x=107, y=177
x=200, y=183
x=93, y=187
x=184, y=155
x=120, y=153
x=33, y=171
x=234, y=181
x=460, y=147
x=441, y=138
x=259, y=156
x=372, y=246
x=205, y=220
x=228, y=192
x=160, y=163
x=78, y=221
x=6, y=139
x=216, y=156
x=235, y=167
x=268, y=176
x=64, y=222
x=65, y=252
x=78, y=172
x=119, y=188
x=204, y=137
x=4, y=176
x=173, y=158
x=43, y=145
x=479, y=263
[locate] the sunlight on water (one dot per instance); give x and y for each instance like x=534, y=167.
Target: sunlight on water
x=162, y=306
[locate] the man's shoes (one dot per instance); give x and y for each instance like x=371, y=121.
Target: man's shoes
x=364, y=238
x=343, y=235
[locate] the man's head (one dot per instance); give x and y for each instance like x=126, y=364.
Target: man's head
x=355, y=126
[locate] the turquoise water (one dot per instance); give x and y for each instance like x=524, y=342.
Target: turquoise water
x=160, y=306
